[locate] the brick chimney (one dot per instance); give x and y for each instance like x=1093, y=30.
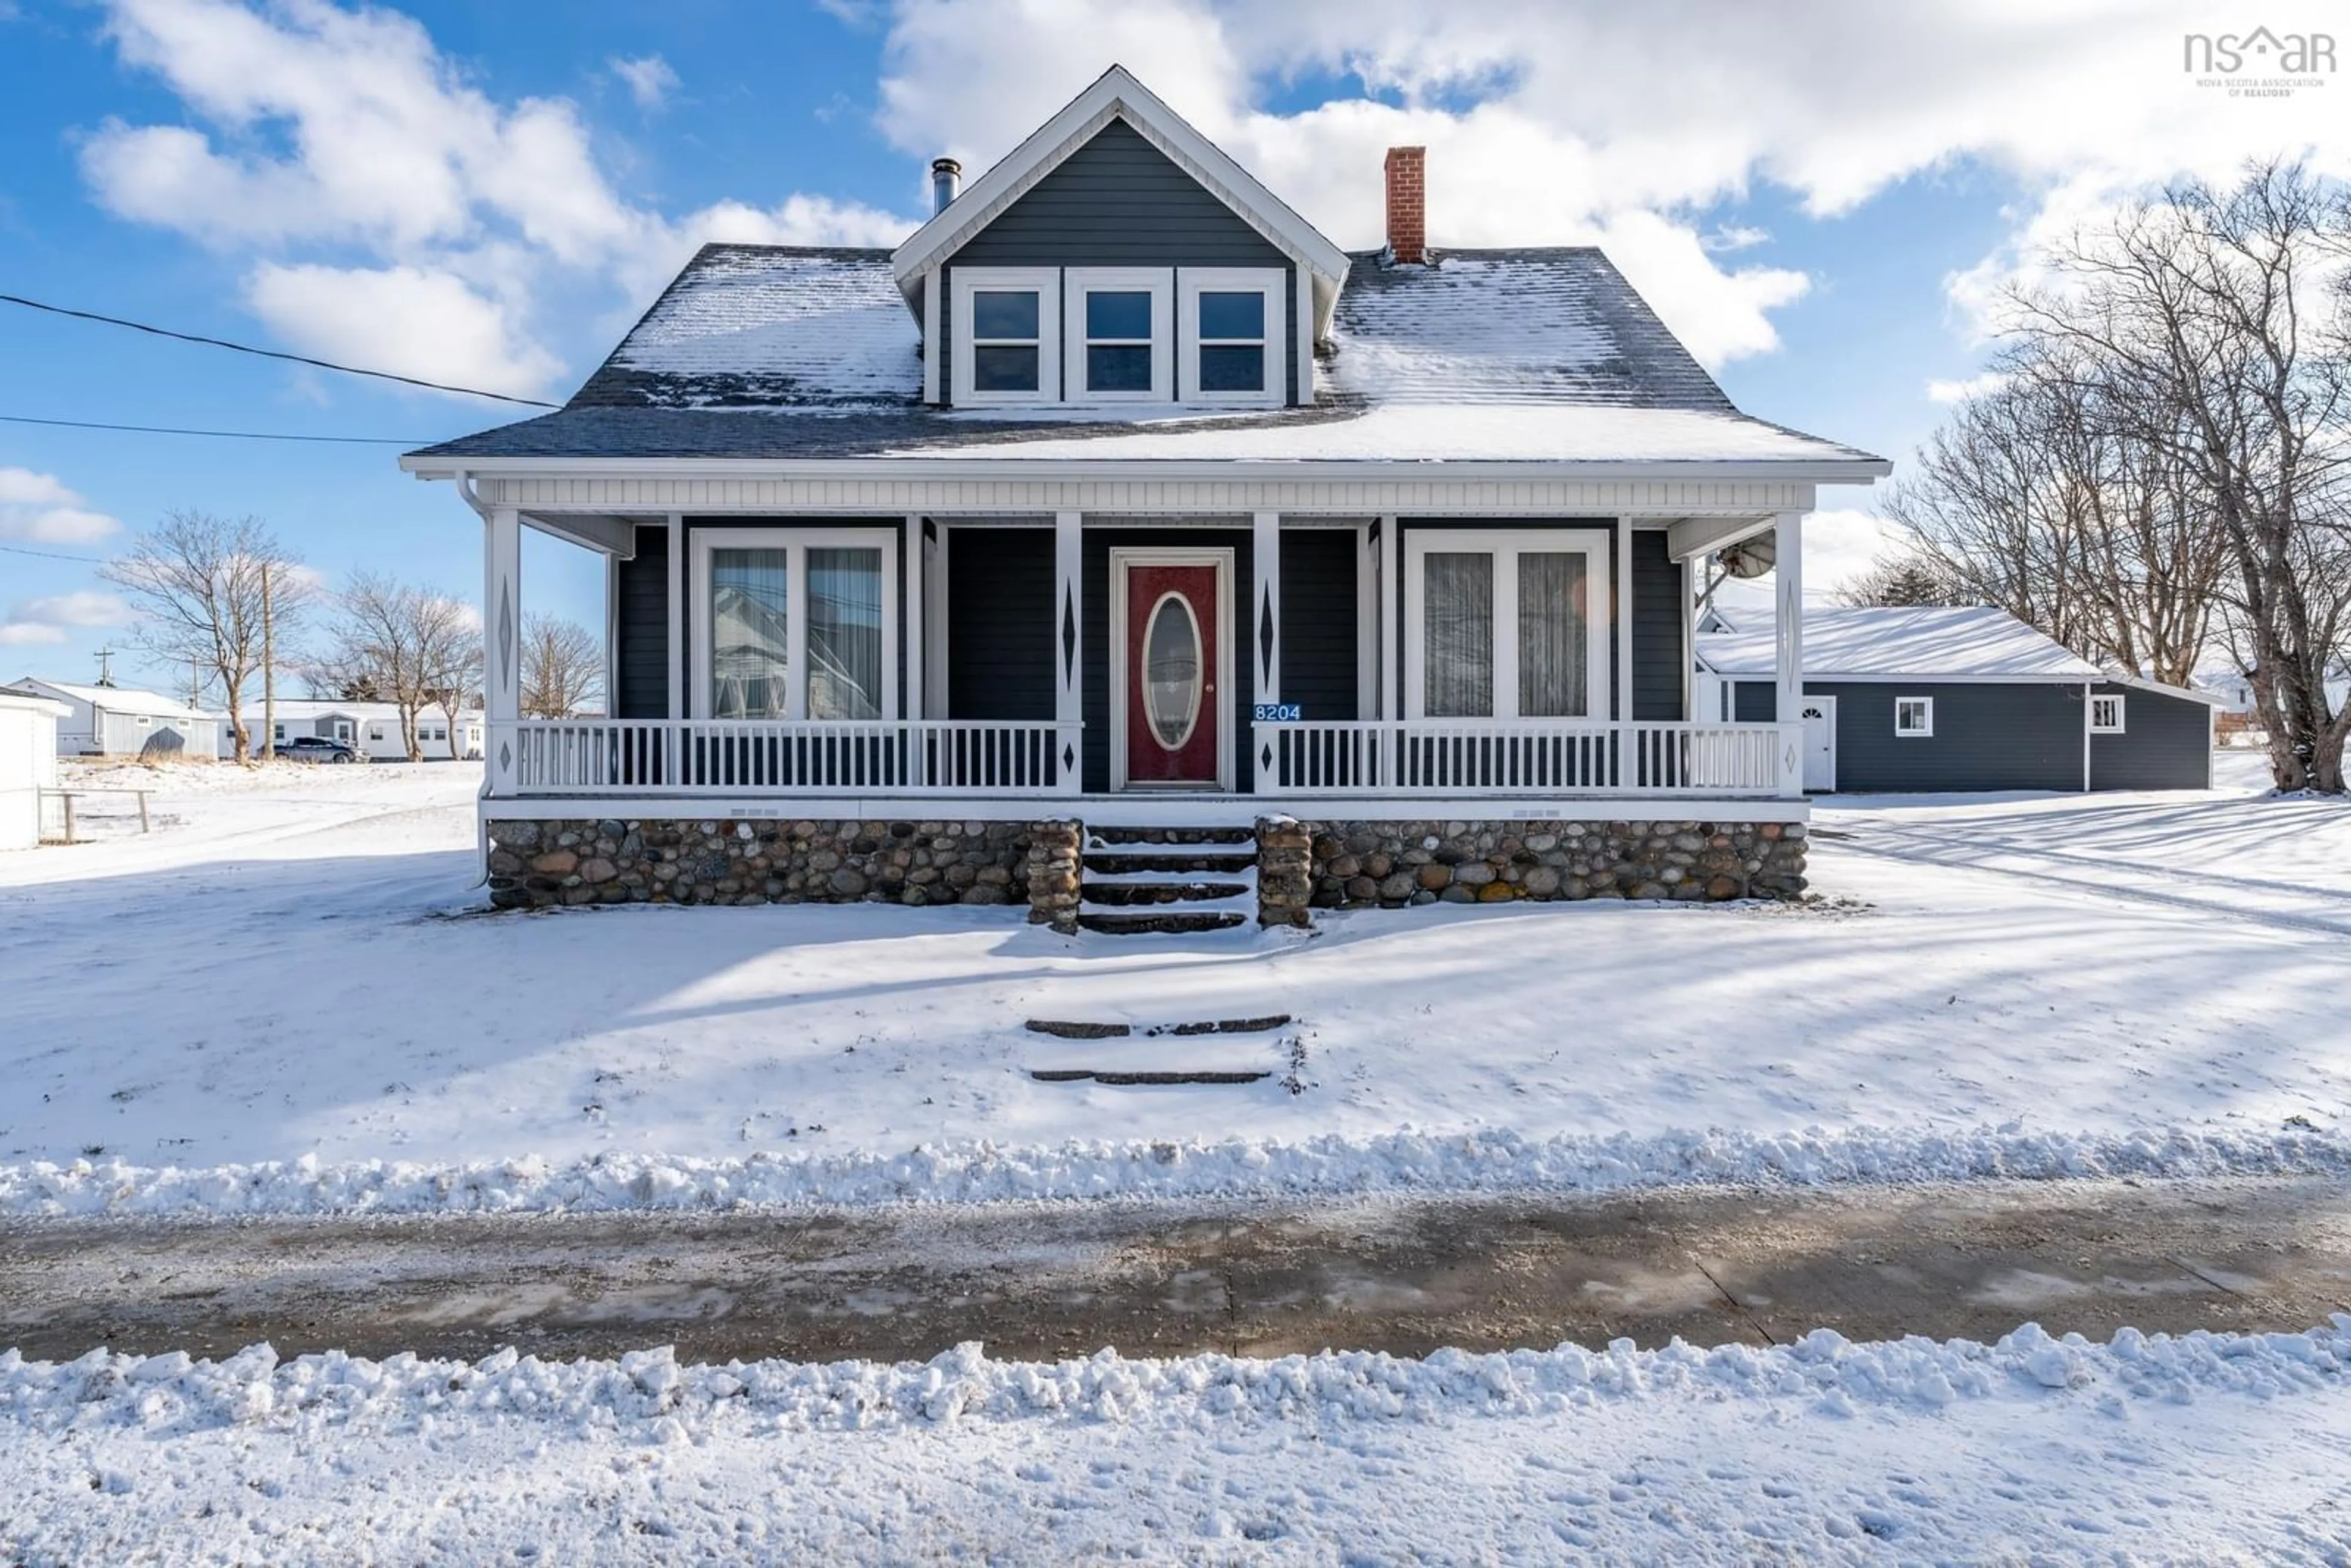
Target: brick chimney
x=1407, y=204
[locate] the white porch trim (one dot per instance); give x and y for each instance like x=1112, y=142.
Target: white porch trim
x=1146, y=811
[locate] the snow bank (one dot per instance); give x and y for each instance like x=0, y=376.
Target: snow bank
x=1482, y=1162
x=666, y=1402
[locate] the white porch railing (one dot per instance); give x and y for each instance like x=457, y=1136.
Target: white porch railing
x=761, y=756
x=980, y=758
x=1539, y=757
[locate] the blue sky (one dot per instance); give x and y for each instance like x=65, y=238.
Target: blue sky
x=488, y=194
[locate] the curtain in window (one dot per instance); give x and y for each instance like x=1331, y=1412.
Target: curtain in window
x=844, y=634
x=1458, y=621
x=750, y=646
x=1554, y=668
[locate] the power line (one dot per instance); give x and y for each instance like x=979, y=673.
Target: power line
x=51, y=555
x=268, y=353
x=227, y=434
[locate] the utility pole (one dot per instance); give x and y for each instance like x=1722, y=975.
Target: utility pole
x=269, y=671
x=105, y=666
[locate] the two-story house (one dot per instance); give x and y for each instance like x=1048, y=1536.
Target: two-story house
x=1120, y=545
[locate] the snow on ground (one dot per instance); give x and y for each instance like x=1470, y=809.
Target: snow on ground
x=2202, y=1448
x=281, y=1003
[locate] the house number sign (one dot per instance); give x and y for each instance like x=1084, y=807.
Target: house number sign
x=1279, y=713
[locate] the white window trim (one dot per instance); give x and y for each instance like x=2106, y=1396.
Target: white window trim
x=1926, y=732
x=799, y=542
x=1505, y=545
x=2121, y=717
x=1159, y=282
x=1045, y=282
x=1191, y=282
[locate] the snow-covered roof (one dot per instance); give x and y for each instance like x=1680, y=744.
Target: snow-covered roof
x=768, y=327
x=796, y=352
x=322, y=707
x=119, y=699
x=1969, y=643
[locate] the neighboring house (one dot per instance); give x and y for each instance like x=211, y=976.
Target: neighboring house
x=1960, y=699
x=371, y=728
x=1118, y=499
x=28, y=763
x=123, y=721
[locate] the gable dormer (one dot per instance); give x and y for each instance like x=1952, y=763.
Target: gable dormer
x=1117, y=259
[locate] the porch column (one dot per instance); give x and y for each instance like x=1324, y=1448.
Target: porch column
x=1069, y=644
x=502, y=648
x=1788, y=651
x=915, y=662
x=1262, y=629
x=1387, y=627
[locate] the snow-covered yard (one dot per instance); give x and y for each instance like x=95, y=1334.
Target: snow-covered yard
x=2202, y=1448
x=288, y=970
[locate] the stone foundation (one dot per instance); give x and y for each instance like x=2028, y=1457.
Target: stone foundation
x=1392, y=865
x=534, y=864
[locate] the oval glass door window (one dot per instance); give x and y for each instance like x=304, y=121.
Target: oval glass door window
x=1171, y=671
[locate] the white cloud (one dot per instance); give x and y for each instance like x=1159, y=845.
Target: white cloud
x=404, y=319
x=26, y=633
x=84, y=608
x=1973, y=386
x=388, y=209
x=37, y=508
x=650, y=79
x=1840, y=545
x=1530, y=143
x=50, y=619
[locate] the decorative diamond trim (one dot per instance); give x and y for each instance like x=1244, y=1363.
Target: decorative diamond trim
x=1265, y=633
x=506, y=633
x=1068, y=633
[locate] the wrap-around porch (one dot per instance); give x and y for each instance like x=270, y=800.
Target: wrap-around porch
x=1143, y=668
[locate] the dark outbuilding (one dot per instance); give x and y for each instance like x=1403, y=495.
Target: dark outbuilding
x=1960, y=699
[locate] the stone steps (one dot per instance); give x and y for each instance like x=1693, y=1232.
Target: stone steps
x=1165, y=881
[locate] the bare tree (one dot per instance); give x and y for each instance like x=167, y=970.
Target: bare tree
x=562, y=667
x=198, y=582
x=2044, y=496
x=1908, y=579
x=2218, y=330
x=411, y=648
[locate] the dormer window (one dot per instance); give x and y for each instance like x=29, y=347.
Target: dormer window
x=1007, y=332
x=1232, y=335
x=1040, y=336
x=1120, y=345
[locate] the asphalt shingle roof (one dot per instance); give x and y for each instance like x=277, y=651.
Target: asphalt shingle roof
x=784, y=351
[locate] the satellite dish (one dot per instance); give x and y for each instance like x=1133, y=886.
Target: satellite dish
x=1748, y=558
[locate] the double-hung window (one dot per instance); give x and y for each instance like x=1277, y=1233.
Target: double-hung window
x=2105, y=714
x=797, y=624
x=1506, y=625
x=1010, y=334
x=1231, y=342
x=1120, y=347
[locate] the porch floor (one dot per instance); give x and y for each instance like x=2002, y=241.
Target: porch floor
x=1169, y=809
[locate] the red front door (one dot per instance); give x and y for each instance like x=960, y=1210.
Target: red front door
x=1173, y=720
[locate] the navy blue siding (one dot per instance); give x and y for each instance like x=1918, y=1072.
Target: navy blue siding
x=1117, y=200
x=1987, y=737
x=1754, y=701
x=2165, y=743
x=1321, y=621
x=1659, y=656
x=1000, y=623
x=1101, y=668
x=641, y=629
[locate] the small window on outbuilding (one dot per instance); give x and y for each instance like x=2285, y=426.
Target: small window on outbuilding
x=1914, y=717
x=2105, y=714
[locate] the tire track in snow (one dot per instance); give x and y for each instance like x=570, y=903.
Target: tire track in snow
x=2047, y=867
